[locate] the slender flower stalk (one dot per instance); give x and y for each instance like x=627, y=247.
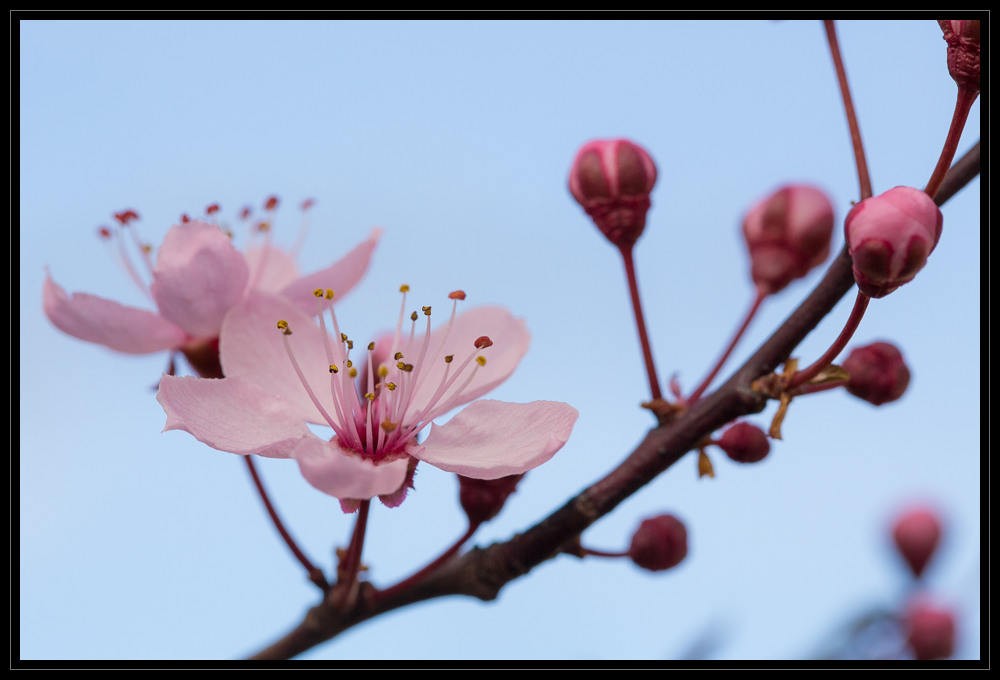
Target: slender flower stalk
x=853, y=321
x=852, y=122
x=640, y=322
x=966, y=98
x=409, y=581
x=350, y=563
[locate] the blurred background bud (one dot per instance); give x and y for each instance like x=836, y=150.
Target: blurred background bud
x=659, y=543
x=916, y=534
x=745, y=443
x=930, y=631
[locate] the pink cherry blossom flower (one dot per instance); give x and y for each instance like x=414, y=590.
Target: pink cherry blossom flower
x=278, y=379
x=197, y=278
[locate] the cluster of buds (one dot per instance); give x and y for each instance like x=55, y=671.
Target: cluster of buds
x=878, y=373
x=889, y=237
x=788, y=234
x=962, y=37
x=659, y=543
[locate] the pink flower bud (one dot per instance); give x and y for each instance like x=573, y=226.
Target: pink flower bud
x=930, y=631
x=745, y=443
x=612, y=180
x=659, y=543
x=916, y=534
x=877, y=372
x=963, y=51
x=482, y=499
x=889, y=237
x=788, y=233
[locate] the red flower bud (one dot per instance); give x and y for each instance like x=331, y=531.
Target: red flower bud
x=482, y=499
x=916, y=534
x=877, y=373
x=659, y=543
x=930, y=631
x=745, y=443
x=889, y=237
x=612, y=180
x=788, y=233
x=963, y=51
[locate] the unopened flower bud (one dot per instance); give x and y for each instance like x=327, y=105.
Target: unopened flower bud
x=878, y=373
x=482, y=499
x=745, y=443
x=889, y=237
x=659, y=543
x=916, y=534
x=612, y=180
x=962, y=37
x=930, y=631
x=788, y=233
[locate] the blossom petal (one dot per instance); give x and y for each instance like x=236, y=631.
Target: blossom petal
x=199, y=276
x=340, y=277
x=230, y=414
x=328, y=468
x=271, y=269
x=123, y=329
x=490, y=439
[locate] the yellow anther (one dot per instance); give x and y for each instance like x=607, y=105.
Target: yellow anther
x=146, y=248
x=318, y=293
x=426, y=310
x=382, y=371
x=448, y=358
x=371, y=346
x=369, y=396
x=283, y=327
x=404, y=288
x=481, y=360
x=353, y=373
x=397, y=356
x=400, y=365
x=457, y=295
x=390, y=386
x=329, y=293
x=333, y=368
x=388, y=425
x=349, y=363
x=350, y=344
x=343, y=337
x=413, y=317
x=263, y=226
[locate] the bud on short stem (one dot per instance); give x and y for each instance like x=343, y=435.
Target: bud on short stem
x=744, y=443
x=659, y=543
x=963, y=40
x=878, y=373
x=482, y=499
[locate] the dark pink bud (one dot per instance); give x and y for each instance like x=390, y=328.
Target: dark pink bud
x=659, y=543
x=930, y=631
x=745, y=443
x=612, y=180
x=482, y=499
x=788, y=233
x=916, y=534
x=962, y=37
x=877, y=373
x=889, y=237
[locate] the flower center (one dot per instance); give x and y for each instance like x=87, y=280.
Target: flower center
x=400, y=389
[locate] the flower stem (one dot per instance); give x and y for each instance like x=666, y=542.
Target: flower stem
x=602, y=553
x=860, y=305
x=392, y=591
x=754, y=306
x=647, y=353
x=315, y=574
x=852, y=122
x=966, y=98
x=350, y=563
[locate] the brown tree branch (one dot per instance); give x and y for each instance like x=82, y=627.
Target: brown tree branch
x=482, y=572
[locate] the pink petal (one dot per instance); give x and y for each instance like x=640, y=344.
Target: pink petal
x=271, y=269
x=252, y=348
x=230, y=414
x=510, y=339
x=328, y=468
x=340, y=277
x=94, y=319
x=490, y=439
x=199, y=275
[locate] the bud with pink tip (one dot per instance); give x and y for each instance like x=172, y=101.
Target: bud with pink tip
x=889, y=237
x=878, y=373
x=788, y=233
x=659, y=543
x=612, y=180
x=962, y=37
x=745, y=443
x=916, y=534
x=482, y=499
x=930, y=631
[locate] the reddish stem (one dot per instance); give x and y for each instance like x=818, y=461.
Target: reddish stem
x=315, y=574
x=640, y=323
x=755, y=305
x=852, y=122
x=350, y=564
x=966, y=98
x=804, y=376
x=602, y=553
x=409, y=581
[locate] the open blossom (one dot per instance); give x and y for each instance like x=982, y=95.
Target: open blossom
x=197, y=278
x=284, y=370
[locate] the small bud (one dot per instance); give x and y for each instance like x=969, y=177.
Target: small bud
x=930, y=631
x=482, y=499
x=612, y=180
x=963, y=51
x=889, y=237
x=745, y=443
x=659, y=543
x=916, y=534
x=788, y=233
x=878, y=373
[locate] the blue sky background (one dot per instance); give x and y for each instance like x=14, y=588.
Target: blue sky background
x=455, y=137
